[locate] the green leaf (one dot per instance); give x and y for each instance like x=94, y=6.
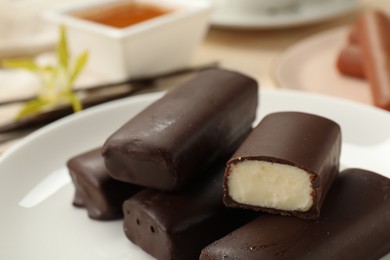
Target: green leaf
x=32, y=107
x=49, y=69
x=74, y=101
x=79, y=66
x=27, y=64
x=62, y=49
x=57, y=80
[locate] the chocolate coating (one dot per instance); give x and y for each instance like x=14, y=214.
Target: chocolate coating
x=177, y=137
x=354, y=224
x=178, y=225
x=303, y=140
x=95, y=190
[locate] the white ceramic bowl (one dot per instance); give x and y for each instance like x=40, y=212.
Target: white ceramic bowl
x=154, y=46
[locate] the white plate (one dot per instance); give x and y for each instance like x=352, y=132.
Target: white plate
x=28, y=45
x=38, y=220
x=22, y=32
x=303, y=14
x=311, y=65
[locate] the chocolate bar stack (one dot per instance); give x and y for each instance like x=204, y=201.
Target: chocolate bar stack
x=278, y=196
x=176, y=150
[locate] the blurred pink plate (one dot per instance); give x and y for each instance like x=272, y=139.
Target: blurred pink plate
x=311, y=65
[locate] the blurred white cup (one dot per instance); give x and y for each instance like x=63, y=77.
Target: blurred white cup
x=251, y=6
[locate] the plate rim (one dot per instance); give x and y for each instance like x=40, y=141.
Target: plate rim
x=285, y=73
x=75, y=116
x=290, y=51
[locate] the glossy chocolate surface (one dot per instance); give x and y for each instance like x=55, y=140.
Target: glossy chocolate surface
x=95, y=190
x=303, y=140
x=354, y=224
x=178, y=225
x=179, y=136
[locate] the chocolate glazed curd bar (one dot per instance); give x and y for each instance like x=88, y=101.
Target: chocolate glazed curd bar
x=178, y=225
x=95, y=190
x=177, y=137
x=286, y=165
x=354, y=224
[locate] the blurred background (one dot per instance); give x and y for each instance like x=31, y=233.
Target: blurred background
x=292, y=44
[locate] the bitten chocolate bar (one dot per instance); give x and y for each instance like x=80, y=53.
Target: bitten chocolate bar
x=286, y=165
x=354, y=224
x=179, y=136
x=179, y=225
x=95, y=190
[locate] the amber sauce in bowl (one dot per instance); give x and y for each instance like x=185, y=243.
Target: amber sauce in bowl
x=121, y=15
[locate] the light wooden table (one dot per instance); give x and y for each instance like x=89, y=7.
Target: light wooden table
x=255, y=52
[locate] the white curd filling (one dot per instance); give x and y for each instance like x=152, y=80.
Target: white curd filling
x=271, y=185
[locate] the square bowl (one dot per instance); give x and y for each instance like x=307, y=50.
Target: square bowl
x=164, y=43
